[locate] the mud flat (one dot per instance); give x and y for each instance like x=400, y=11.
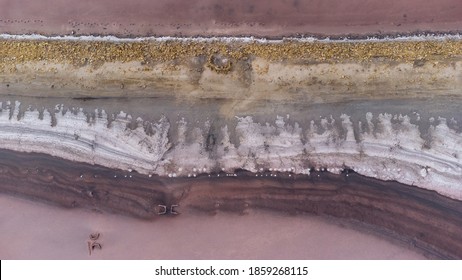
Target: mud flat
x=363, y=131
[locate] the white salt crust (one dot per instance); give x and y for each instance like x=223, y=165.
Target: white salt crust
x=389, y=148
x=422, y=37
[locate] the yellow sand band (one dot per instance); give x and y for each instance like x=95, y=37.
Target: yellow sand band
x=95, y=53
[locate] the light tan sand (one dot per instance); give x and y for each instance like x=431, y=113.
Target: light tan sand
x=30, y=230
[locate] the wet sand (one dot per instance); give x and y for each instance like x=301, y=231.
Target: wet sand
x=36, y=231
x=270, y=18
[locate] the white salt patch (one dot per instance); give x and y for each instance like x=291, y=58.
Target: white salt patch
x=390, y=150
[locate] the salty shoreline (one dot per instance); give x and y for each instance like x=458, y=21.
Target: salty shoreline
x=421, y=218
x=400, y=146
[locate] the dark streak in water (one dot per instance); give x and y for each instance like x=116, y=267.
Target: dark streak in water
x=426, y=220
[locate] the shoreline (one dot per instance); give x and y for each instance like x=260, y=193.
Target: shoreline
x=420, y=36
x=423, y=218
x=150, y=137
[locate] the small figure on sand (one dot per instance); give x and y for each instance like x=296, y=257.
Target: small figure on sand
x=92, y=244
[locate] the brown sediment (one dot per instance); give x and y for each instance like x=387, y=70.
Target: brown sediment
x=95, y=53
x=430, y=222
x=270, y=18
x=310, y=71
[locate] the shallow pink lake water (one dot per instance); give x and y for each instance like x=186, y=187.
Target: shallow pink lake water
x=31, y=230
